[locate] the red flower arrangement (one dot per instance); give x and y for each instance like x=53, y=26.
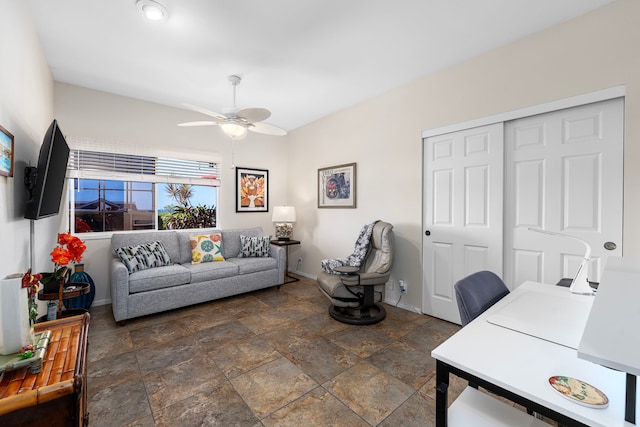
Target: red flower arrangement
x=70, y=249
x=31, y=281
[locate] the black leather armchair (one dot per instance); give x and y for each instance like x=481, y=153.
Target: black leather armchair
x=354, y=295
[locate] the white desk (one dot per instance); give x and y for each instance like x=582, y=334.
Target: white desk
x=611, y=336
x=518, y=365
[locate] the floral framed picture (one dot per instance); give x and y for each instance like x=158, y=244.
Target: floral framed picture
x=6, y=152
x=337, y=186
x=252, y=190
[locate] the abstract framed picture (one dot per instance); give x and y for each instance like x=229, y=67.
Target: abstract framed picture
x=6, y=152
x=337, y=186
x=252, y=190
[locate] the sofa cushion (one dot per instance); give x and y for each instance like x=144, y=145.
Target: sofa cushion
x=184, y=243
x=206, y=248
x=144, y=256
x=253, y=265
x=211, y=271
x=169, y=241
x=231, y=240
x=158, y=278
x=259, y=246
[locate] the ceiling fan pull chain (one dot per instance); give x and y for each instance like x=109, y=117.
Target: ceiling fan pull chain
x=233, y=145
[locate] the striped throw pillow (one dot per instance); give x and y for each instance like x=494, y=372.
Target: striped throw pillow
x=254, y=246
x=142, y=257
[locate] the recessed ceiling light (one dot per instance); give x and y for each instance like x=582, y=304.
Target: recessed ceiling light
x=152, y=10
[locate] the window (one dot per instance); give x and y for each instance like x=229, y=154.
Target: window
x=118, y=192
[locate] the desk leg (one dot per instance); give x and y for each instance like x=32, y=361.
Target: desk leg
x=630, y=400
x=442, y=393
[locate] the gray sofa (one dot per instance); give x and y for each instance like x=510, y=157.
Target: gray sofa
x=181, y=284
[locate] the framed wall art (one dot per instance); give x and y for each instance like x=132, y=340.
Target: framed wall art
x=252, y=190
x=6, y=152
x=337, y=186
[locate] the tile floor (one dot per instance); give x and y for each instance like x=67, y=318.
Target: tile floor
x=268, y=358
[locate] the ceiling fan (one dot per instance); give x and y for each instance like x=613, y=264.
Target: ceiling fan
x=235, y=122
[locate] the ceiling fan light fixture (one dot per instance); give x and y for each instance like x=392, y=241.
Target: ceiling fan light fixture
x=152, y=10
x=234, y=130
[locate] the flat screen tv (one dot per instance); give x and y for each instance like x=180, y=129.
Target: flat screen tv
x=46, y=182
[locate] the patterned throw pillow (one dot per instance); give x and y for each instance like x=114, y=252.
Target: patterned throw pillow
x=206, y=248
x=144, y=256
x=254, y=246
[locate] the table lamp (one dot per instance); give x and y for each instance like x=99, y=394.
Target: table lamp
x=284, y=217
x=580, y=282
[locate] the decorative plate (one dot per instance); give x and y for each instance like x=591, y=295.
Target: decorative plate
x=579, y=392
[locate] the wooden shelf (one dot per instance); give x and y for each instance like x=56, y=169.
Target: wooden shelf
x=71, y=290
x=57, y=395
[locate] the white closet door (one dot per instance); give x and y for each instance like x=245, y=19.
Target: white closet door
x=564, y=173
x=463, y=211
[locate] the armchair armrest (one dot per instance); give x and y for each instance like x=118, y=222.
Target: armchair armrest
x=364, y=279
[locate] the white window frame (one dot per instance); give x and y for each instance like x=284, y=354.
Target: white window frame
x=91, y=161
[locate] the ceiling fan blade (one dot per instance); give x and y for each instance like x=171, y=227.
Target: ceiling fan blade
x=205, y=111
x=201, y=123
x=253, y=115
x=267, y=129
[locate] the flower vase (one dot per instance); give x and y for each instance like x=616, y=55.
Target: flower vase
x=83, y=301
x=15, y=325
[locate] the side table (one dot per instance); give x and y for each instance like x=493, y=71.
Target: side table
x=57, y=395
x=286, y=244
x=72, y=290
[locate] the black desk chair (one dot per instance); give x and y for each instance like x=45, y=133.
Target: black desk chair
x=477, y=292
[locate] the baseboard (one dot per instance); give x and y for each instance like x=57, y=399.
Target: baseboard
x=402, y=305
x=101, y=302
x=300, y=273
x=396, y=303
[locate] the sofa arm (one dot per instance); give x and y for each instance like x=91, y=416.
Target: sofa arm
x=119, y=289
x=280, y=254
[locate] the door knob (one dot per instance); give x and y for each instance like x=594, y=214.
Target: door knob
x=610, y=246
x=427, y=233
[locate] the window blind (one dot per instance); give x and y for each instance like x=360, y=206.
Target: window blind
x=134, y=167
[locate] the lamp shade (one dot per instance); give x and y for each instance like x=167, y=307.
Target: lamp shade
x=284, y=217
x=284, y=214
x=234, y=130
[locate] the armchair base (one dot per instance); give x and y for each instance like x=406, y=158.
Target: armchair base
x=358, y=315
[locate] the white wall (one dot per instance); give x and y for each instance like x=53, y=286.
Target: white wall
x=596, y=51
x=26, y=110
x=105, y=117
x=593, y=52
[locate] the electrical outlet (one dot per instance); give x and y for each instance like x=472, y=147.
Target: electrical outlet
x=403, y=286
x=299, y=264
